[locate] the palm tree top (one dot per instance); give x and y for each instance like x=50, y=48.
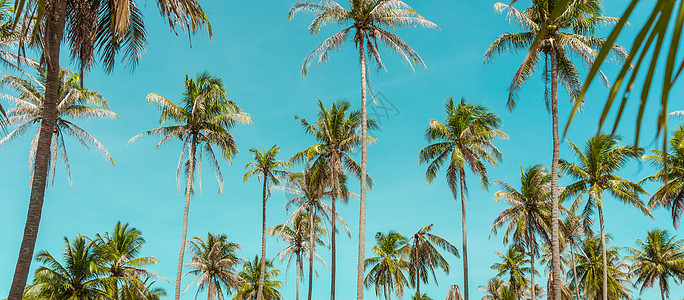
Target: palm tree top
x=266, y=166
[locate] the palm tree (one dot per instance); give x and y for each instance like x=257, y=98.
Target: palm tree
x=296, y=237
x=590, y=271
x=74, y=103
x=595, y=173
x=77, y=277
x=308, y=190
x=336, y=135
x=560, y=27
x=117, y=30
x=660, y=258
x=497, y=289
x=268, y=170
x=367, y=19
x=464, y=140
x=120, y=250
x=670, y=173
x=422, y=296
x=530, y=213
x=387, y=268
x=251, y=275
x=512, y=265
x=202, y=120
x=573, y=228
x=213, y=265
x=423, y=256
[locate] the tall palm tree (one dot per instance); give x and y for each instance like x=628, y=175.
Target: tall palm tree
x=530, y=213
x=464, y=140
x=366, y=20
x=497, y=289
x=74, y=103
x=296, y=237
x=201, y=121
x=336, y=134
x=213, y=265
x=387, y=268
x=308, y=190
x=423, y=256
x=573, y=228
x=268, y=170
x=595, y=174
x=120, y=252
x=660, y=258
x=671, y=193
x=117, y=30
x=512, y=267
x=561, y=28
x=590, y=271
x=78, y=276
x=251, y=275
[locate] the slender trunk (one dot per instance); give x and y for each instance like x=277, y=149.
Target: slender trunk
x=415, y=266
x=189, y=190
x=555, y=241
x=603, y=254
x=53, y=38
x=533, y=254
x=364, y=158
x=335, y=196
x=574, y=268
x=299, y=266
x=260, y=292
x=312, y=226
x=389, y=293
x=465, y=238
x=662, y=294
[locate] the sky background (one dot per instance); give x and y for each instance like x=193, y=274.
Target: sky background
x=258, y=53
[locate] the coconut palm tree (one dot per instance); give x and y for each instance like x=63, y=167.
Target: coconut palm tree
x=117, y=30
x=365, y=21
x=573, y=228
x=512, y=267
x=529, y=214
x=251, y=275
x=422, y=296
x=595, y=174
x=336, y=136
x=78, y=276
x=590, y=271
x=554, y=29
x=201, y=121
x=213, y=265
x=268, y=170
x=387, y=267
x=120, y=252
x=660, y=258
x=465, y=141
x=307, y=191
x=74, y=103
x=671, y=193
x=497, y=289
x=421, y=251
x=546, y=256
x=296, y=237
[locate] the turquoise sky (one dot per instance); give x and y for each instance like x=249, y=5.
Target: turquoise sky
x=258, y=53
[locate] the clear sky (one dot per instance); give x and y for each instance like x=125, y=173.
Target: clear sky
x=258, y=52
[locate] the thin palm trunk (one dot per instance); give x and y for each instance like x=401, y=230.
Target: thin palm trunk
x=260, y=292
x=533, y=254
x=311, y=249
x=387, y=292
x=465, y=238
x=362, y=206
x=184, y=234
x=662, y=294
x=53, y=39
x=604, y=260
x=299, y=266
x=335, y=196
x=555, y=241
x=415, y=267
x=574, y=268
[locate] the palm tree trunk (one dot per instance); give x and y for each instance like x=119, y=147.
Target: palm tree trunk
x=465, y=238
x=53, y=37
x=533, y=290
x=387, y=293
x=335, y=196
x=603, y=253
x=299, y=266
x=574, y=268
x=662, y=294
x=415, y=266
x=555, y=241
x=311, y=249
x=260, y=291
x=364, y=158
x=189, y=190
